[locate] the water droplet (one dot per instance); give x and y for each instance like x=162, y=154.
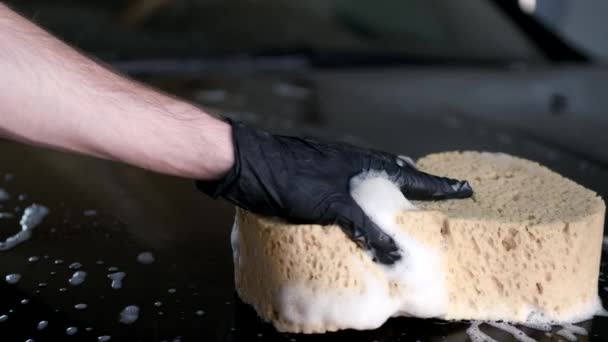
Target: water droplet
x=75, y=266
x=112, y=269
x=6, y=215
x=33, y=259
x=88, y=328
x=200, y=312
x=117, y=278
x=89, y=212
x=158, y=304
x=63, y=289
x=4, y=195
x=80, y=306
x=99, y=262
x=172, y=290
x=29, y=340
x=3, y=318
x=129, y=314
x=71, y=331
x=77, y=278
x=42, y=324
x=43, y=284
x=58, y=262
x=13, y=278
x=103, y=338
x=25, y=301
x=145, y=258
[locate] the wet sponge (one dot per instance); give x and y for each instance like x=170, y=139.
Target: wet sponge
x=525, y=247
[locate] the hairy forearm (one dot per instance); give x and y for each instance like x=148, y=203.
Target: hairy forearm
x=54, y=96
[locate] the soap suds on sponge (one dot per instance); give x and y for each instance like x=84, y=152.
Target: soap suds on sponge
x=504, y=255
x=420, y=271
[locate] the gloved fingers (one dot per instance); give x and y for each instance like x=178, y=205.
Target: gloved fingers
x=417, y=185
x=364, y=232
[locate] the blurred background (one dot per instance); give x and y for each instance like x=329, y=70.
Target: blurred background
x=364, y=71
x=407, y=76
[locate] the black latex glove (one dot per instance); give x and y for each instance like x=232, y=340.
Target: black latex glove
x=304, y=181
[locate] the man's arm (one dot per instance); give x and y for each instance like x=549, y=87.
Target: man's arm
x=52, y=95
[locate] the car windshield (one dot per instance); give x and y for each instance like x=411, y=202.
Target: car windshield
x=420, y=29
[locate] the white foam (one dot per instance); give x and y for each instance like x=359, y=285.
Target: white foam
x=32, y=217
x=567, y=331
x=511, y=329
x=568, y=335
x=476, y=335
x=420, y=270
x=575, y=329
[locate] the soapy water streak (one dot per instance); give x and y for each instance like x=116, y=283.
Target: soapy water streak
x=568, y=331
x=32, y=217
